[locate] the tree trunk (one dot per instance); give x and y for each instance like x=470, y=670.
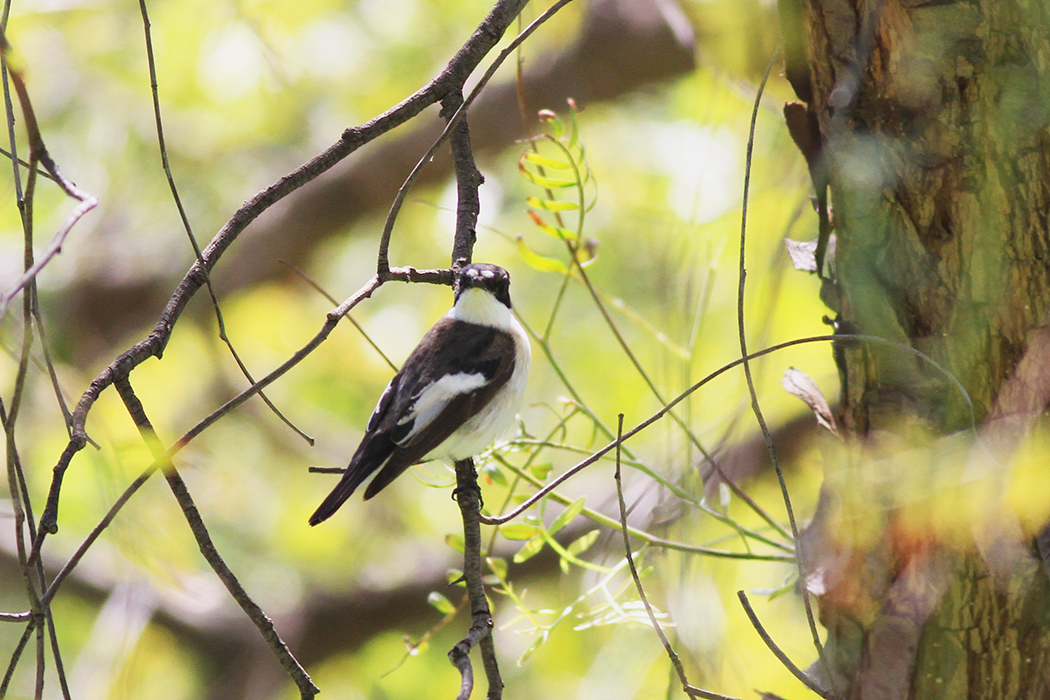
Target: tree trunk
x=927, y=122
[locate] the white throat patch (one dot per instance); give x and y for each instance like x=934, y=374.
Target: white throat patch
x=481, y=307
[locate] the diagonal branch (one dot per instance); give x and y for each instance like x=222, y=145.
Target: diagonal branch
x=207, y=548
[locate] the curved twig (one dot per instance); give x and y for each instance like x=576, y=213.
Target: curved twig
x=767, y=437
x=163, y=148
x=383, y=259
x=38, y=153
x=779, y=653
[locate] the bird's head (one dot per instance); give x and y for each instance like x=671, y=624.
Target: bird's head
x=484, y=277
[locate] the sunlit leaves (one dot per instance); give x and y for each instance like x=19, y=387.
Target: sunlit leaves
x=519, y=531
x=541, y=471
x=598, y=605
x=610, y=614
x=557, y=163
x=537, y=261
x=455, y=542
x=550, y=205
x=491, y=471
x=531, y=549
x=567, y=516
x=544, y=162
x=498, y=566
x=553, y=231
x=584, y=543
x=440, y=603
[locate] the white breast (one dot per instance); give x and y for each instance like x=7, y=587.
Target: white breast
x=496, y=419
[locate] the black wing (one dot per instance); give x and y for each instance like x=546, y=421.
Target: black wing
x=391, y=443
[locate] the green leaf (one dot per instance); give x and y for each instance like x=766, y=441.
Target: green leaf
x=531, y=549
x=498, y=566
x=492, y=471
x=574, y=137
x=549, y=205
x=567, y=515
x=545, y=162
x=789, y=585
x=552, y=231
x=455, y=542
x=583, y=543
x=544, y=182
x=552, y=118
x=537, y=261
x=519, y=531
x=568, y=557
x=541, y=471
x=440, y=602
x=532, y=648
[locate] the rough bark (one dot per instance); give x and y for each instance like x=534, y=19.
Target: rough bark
x=928, y=124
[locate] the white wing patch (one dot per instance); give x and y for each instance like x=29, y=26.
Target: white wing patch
x=497, y=418
x=434, y=398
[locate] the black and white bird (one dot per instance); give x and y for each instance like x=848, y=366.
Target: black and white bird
x=457, y=392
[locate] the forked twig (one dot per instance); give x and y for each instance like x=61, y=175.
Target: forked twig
x=841, y=337
x=38, y=153
x=449, y=80
x=383, y=259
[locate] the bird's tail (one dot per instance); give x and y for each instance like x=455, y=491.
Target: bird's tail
x=342, y=491
x=373, y=452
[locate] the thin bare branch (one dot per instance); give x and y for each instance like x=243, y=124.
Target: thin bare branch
x=162, y=146
x=468, y=180
x=405, y=274
x=357, y=326
x=691, y=690
x=207, y=548
x=779, y=653
x=38, y=153
x=755, y=407
x=16, y=655
x=583, y=464
x=468, y=495
x=642, y=535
